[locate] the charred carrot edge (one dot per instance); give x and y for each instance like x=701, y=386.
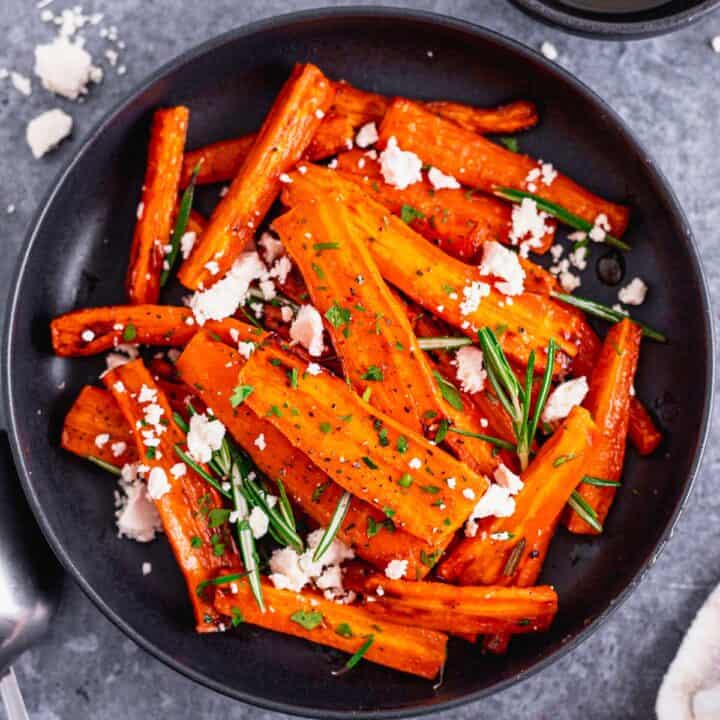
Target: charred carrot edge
x=184, y=508
x=346, y=627
x=457, y=220
x=157, y=206
x=93, y=416
x=511, y=118
x=549, y=480
x=339, y=432
x=283, y=138
x=608, y=401
x=466, y=610
x=642, y=431
x=482, y=164
x=211, y=368
x=95, y=330
x=437, y=281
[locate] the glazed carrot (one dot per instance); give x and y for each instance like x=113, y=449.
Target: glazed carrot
x=157, y=207
x=346, y=627
x=369, y=454
x=465, y=610
x=511, y=118
x=219, y=161
x=211, y=368
x=608, y=401
x=281, y=142
x=441, y=283
x=548, y=482
x=642, y=431
x=196, y=222
x=185, y=502
x=457, y=220
x=96, y=330
x=95, y=427
x=482, y=164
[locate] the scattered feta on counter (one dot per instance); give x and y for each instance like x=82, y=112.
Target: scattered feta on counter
x=64, y=68
x=549, y=50
x=47, y=131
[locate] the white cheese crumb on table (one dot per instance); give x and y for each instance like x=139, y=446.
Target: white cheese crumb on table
x=47, y=131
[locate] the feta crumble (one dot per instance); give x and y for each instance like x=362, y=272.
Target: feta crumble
x=473, y=294
x=307, y=329
x=564, y=398
x=440, y=181
x=187, y=243
x=158, y=484
x=528, y=226
x=259, y=442
x=271, y=246
x=549, y=50
x=136, y=517
x=367, y=135
x=634, y=293
x=398, y=167
x=496, y=502
x=259, y=522
x=204, y=437
x=146, y=568
x=64, y=67
x=503, y=263
x=396, y=569
x=313, y=369
x=470, y=371
x=506, y=478
x=47, y=131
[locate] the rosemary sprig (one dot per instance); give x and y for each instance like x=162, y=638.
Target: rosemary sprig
x=443, y=343
x=333, y=526
x=514, y=558
x=201, y=472
x=498, y=442
x=279, y=299
x=600, y=482
x=285, y=506
x=219, y=580
x=585, y=511
x=180, y=225
x=606, y=313
x=558, y=212
x=356, y=657
x=544, y=390
x=114, y=469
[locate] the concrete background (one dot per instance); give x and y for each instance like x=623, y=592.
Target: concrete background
x=666, y=89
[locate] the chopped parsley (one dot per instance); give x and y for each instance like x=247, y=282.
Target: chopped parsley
x=337, y=315
x=240, y=394
x=309, y=619
x=373, y=373
x=129, y=333
x=408, y=213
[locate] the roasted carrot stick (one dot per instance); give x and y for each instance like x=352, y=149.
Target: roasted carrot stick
x=608, y=401
x=157, y=206
x=482, y=164
x=369, y=454
x=183, y=499
x=642, y=431
x=457, y=220
x=557, y=469
x=95, y=427
x=219, y=161
x=442, y=284
x=452, y=609
x=511, y=118
x=95, y=330
x=413, y=650
x=211, y=368
x=281, y=142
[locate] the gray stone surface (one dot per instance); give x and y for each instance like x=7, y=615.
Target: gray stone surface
x=666, y=89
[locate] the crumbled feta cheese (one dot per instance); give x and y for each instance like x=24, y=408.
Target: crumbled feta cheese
x=47, y=130
x=118, y=448
x=715, y=43
x=285, y=178
x=549, y=50
x=468, y=493
x=286, y=313
x=246, y=349
x=87, y=336
x=578, y=258
x=313, y=369
x=548, y=173
x=147, y=394
x=396, y=569
x=204, y=437
x=307, y=329
x=259, y=522
x=146, y=568
x=440, y=181
x=634, y=293
x=600, y=229
x=136, y=516
x=451, y=482
x=569, y=281
x=470, y=371
x=124, y=354
x=178, y=470
x=224, y=297
x=281, y=269
x=496, y=502
x=259, y=441
x=212, y=267
x=319, y=114
x=564, y=398
x=503, y=263
x=398, y=167
x=102, y=440
x=528, y=226
x=267, y=288
x=271, y=246
x=473, y=294
x=187, y=243
x=158, y=483
x=506, y=478
x=415, y=463
x=556, y=252
x=64, y=68
x=367, y=135
x=21, y=83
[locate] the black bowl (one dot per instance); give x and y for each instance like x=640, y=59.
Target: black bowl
x=605, y=19
x=76, y=257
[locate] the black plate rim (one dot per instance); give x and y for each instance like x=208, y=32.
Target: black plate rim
x=13, y=414
x=607, y=30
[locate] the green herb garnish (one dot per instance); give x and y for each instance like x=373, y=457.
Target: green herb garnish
x=408, y=213
x=585, y=511
x=449, y=392
x=356, y=658
x=333, y=526
x=239, y=394
x=309, y=619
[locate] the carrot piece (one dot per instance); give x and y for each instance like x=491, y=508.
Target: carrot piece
x=95, y=330
x=452, y=609
x=211, y=368
x=608, y=401
x=185, y=506
x=93, y=416
x=549, y=480
x=455, y=219
x=439, y=282
x=510, y=118
x=281, y=142
x=196, y=222
x=642, y=431
x=412, y=650
x=484, y=165
x=157, y=206
x=219, y=161
x=341, y=434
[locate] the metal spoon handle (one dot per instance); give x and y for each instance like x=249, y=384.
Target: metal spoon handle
x=12, y=697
